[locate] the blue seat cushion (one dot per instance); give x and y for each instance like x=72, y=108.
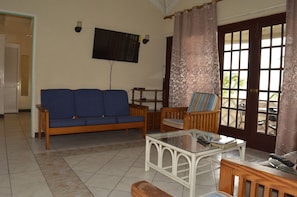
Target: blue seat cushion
x=116, y=103
x=88, y=103
x=202, y=102
x=123, y=119
x=66, y=123
x=100, y=120
x=59, y=102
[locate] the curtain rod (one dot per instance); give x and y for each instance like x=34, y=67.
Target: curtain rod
x=195, y=7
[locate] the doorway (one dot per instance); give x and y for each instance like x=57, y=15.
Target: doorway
x=18, y=30
x=252, y=62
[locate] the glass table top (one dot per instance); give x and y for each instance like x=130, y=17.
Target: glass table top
x=187, y=139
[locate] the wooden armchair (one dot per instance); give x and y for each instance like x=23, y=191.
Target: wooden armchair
x=238, y=178
x=202, y=113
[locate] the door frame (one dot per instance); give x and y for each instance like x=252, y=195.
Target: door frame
x=33, y=108
x=255, y=140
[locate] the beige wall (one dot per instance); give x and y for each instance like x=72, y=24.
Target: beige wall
x=63, y=57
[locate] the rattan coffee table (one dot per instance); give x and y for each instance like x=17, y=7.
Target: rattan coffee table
x=184, y=154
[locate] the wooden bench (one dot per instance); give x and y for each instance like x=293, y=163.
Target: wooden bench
x=238, y=178
x=145, y=189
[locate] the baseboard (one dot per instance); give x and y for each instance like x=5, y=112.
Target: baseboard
x=24, y=110
x=36, y=134
x=20, y=110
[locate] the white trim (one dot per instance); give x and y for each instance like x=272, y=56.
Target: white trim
x=33, y=110
x=253, y=12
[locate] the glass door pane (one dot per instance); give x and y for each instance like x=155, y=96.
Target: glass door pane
x=252, y=61
x=235, y=74
x=271, y=67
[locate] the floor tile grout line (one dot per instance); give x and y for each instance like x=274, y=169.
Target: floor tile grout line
x=61, y=154
x=99, y=169
x=7, y=157
x=30, y=147
x=61, y=158
x=126, y=173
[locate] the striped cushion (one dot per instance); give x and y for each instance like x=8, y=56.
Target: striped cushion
x=202, y=102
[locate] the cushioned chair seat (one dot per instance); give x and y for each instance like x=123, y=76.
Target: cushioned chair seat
x=66, y=123
x=202, y=113
x=176, y=123
x=100, y=120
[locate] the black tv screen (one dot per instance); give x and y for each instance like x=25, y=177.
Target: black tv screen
x=114, y=45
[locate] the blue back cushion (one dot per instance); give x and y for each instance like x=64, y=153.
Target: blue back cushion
x=116, y=103
x=59, y=102
x=88, y=103
x=202, y=102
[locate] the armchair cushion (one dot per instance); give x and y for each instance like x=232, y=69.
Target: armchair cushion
x=203, y=102
x=202, y=113
x=176, y=123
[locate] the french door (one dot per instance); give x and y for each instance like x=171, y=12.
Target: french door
x=252, y=61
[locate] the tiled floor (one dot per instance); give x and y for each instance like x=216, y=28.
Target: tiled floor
x=93, y=164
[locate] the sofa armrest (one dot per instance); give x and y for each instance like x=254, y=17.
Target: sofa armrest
x=41, y=108
x=138, y=110
x=43, y=119
x=206, y=120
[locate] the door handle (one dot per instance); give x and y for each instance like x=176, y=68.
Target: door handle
x=254, y=90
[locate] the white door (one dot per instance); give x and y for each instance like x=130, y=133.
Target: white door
x=11, y=78
x=2, y=49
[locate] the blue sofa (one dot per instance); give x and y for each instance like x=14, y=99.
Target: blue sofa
x=66, y=111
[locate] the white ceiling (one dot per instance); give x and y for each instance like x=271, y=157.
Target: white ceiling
x=165, y=6
x=8, y=23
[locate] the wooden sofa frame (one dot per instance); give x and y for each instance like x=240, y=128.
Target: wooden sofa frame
x=43, y=124
x=260, y=178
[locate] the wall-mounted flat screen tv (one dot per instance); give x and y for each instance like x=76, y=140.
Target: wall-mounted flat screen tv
x=114, y=45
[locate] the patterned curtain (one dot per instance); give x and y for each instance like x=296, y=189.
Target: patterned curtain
x=194, y=63
x=286, y=140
